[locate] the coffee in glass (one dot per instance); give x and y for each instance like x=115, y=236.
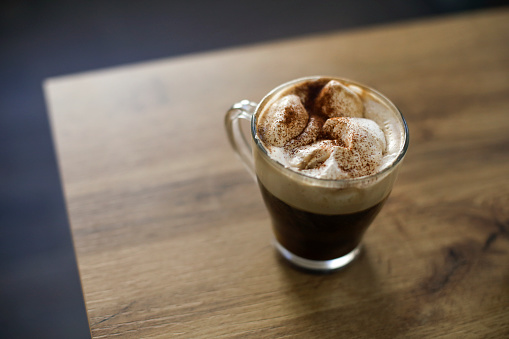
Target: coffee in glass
x=325, y=152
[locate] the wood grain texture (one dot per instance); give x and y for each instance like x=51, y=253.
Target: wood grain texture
x=171, y=234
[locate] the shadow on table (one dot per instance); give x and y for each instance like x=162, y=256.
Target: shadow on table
x=347, y=303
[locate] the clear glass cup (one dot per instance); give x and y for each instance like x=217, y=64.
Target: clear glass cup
x=318, y=224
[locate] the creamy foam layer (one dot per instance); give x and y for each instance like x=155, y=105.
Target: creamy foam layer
x=325, y=128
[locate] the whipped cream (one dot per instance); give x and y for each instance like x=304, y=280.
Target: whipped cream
x=291, y=170
x=320, y=129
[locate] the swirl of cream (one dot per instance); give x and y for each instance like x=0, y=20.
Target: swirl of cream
x=284, y=120
x=361, y=145
x=309, y=134
x=313, y=155
x=337, y=100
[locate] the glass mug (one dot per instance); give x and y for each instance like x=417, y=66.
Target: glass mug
x=318, y=224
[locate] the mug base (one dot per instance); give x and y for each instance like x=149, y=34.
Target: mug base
x=318, y=265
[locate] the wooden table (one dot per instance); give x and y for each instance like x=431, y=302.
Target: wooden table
x=173, y=239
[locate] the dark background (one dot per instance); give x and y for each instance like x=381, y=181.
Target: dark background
x=40, y=293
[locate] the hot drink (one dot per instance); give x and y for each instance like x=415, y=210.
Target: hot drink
x=326, y=152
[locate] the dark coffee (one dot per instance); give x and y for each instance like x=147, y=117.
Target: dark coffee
x=317, y=236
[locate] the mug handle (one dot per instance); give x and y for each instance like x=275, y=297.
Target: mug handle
x=241, y=110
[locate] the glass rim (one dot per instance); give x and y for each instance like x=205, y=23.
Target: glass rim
x=334, y=182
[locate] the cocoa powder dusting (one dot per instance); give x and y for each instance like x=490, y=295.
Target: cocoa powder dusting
x=339, y=144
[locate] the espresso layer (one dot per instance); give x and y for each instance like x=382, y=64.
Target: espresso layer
x=317, y=236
